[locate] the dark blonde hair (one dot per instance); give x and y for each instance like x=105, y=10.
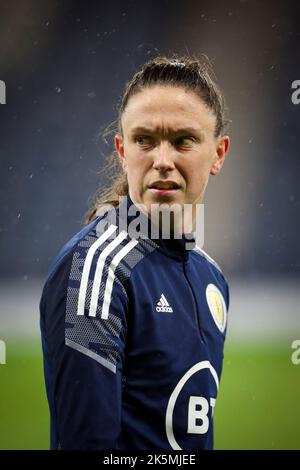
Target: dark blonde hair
x=188, y=72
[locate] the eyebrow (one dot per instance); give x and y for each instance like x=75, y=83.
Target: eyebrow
x=182, y=130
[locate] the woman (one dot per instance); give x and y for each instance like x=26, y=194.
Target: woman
x=133, y=325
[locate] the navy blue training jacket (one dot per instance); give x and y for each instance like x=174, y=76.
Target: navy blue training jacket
x=133, y=331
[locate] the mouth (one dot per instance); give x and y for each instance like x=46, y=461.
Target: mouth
x=164, y=187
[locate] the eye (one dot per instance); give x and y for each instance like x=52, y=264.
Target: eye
x=143, y=140
x=184, y=141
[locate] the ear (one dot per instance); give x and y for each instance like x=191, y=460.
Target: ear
x=222, y=147
x=119, y=146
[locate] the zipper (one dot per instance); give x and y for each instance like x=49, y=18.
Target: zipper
x=194, y=304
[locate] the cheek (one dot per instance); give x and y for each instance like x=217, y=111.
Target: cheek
x=137, y=164
x=196, y=177
x=136, y=172
x=198, y=168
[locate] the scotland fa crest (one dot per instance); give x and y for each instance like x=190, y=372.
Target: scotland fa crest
x=217, y=306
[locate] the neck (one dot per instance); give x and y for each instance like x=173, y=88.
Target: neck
x=173, y=218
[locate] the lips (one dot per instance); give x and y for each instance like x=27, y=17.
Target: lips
x=164, y=185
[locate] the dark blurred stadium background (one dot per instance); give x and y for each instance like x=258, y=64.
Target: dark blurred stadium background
x=65, y=65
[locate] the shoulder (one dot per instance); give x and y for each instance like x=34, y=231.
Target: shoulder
x=215, y=271
x=66, y=252
x=208, y=258
x=59, y=277
x=93, y=268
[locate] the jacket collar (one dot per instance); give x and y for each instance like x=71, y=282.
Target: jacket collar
x=139, y=225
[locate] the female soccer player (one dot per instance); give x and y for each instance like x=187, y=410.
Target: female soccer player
x=133, y=324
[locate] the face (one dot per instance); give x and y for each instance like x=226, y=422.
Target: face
x=168, y=148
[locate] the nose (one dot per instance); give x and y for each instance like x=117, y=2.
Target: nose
x=163, y=157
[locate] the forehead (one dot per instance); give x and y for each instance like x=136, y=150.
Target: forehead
x=167, y=107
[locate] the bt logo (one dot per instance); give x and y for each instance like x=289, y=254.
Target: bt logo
x=199, y=408
x=199, y=415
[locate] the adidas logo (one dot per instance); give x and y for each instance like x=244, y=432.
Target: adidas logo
x=163, y=305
